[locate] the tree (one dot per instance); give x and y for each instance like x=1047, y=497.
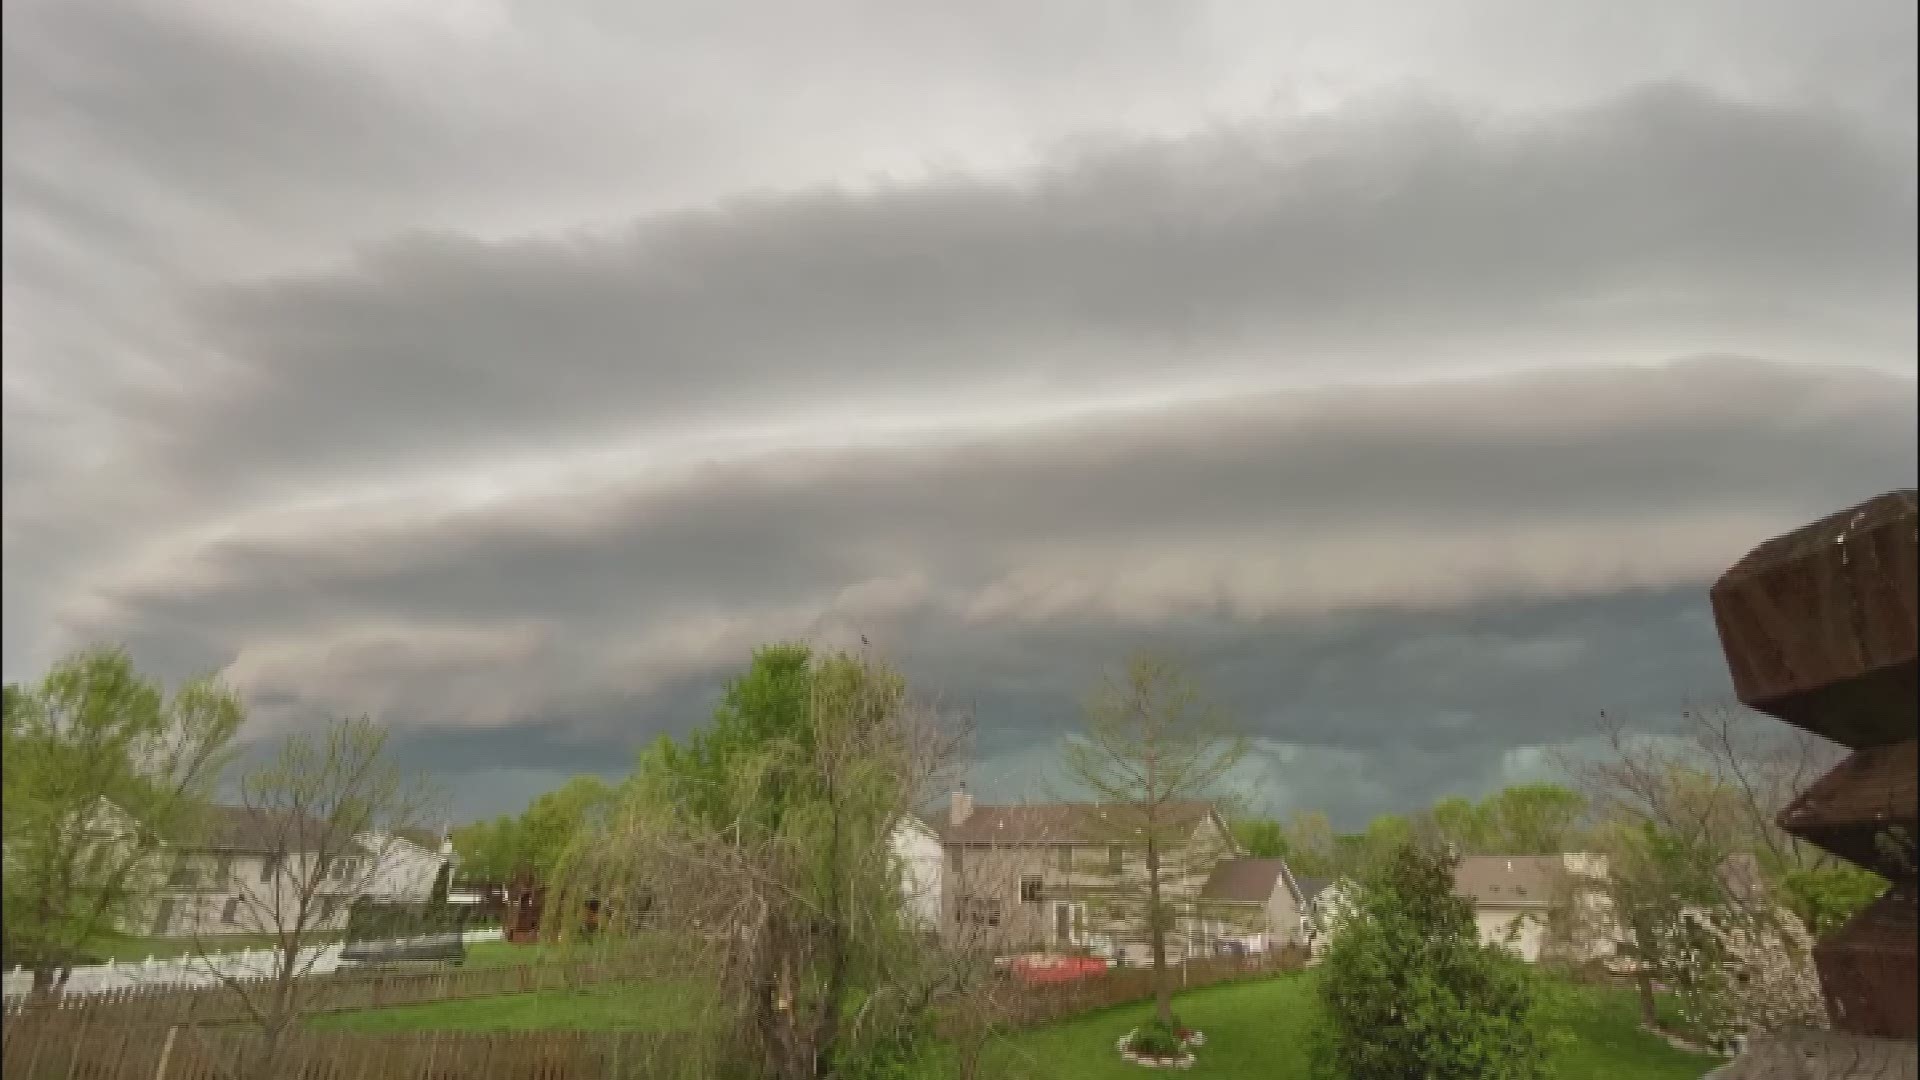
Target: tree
x=552, y=821
x=1261, y=838
x=326, y=812
x=1457, y=822
x=101, y=770
x=1310, y=843
x=1408, y=989
x=1531, y=819
x=1151, y=744
x=490, y=850
x=1675, y=814
x=762, y=841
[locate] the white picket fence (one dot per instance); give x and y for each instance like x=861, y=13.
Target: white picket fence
x=188, y=971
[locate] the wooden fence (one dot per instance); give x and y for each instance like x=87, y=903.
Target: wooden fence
x=159, y=1034
x=200, y=1053
x=1043, y=1004
x=338, y=992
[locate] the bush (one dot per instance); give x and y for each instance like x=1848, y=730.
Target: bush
x=1407, y=989
x=1156, y=1040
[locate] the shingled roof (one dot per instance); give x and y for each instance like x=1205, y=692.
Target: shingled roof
x=1509, y=880
x=1060, y=823
x=1243, y=881
x=241, y=830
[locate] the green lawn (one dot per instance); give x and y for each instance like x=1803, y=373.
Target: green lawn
x=1254, y=1029
x=649, y=1005
x=1260, y=1029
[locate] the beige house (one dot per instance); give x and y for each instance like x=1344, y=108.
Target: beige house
x=1517, y=897
x=1059, y=876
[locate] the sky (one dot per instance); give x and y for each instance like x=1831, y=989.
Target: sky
x=507, y=370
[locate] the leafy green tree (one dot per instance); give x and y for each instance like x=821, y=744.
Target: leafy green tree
x=1532, y=819
x=1458, y=822
x=535, y=841
x=773, y=822
x=1261, y=838
x=1826, y=897
x=102, y=768
x=1151, y=743
x=1408, y=990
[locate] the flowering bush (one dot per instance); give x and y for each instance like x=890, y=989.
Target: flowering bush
x=1743, y=971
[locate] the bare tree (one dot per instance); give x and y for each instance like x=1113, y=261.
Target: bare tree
x=1723, y=783
x=1151, y=745
x=1678, y=817
x=325, y=819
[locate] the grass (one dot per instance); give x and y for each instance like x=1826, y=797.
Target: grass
x=1260, y=1029
x=649, y=1005
x=1254, y=1029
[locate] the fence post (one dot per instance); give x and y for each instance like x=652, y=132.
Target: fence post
x=166, y=1052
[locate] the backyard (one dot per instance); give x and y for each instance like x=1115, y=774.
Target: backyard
x=1257, y=1028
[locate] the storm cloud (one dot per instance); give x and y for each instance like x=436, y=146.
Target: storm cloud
x=509, y=372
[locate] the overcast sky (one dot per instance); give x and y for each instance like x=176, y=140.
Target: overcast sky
x=508, y=369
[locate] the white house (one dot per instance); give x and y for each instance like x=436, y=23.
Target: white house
x=242, y=872
x=916, y=847
x=408, y=862
x=1515, y=897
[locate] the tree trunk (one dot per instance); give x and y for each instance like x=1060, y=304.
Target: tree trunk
x=1157, y=935
x=1649, y=1012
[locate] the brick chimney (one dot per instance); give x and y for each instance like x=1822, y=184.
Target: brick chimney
x=961, y=807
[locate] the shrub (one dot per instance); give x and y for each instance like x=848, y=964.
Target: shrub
x=1156, y=1039
x=1407, y=988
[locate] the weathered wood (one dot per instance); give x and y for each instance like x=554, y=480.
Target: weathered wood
x=1821, y=1055
x=1819, y=626
x=1867, y=969
x=1864, y=810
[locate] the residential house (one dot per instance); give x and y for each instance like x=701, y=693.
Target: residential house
x=241, y=872
x=1516, y=898
x=1046, y=875
x=409, y=862
x=916, y=848
x=1254, y=903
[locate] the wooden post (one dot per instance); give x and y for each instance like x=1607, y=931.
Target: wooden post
x=1819, y=629
x=166, y=1053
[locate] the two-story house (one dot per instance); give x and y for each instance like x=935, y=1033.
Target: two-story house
x=245, y=872
x=1058, y=876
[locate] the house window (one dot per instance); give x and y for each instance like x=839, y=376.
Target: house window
x=1066, y=860
x=269, y=866
x=1116, y=855
x=1030, y=889
x=958, y=857
x=231, y=913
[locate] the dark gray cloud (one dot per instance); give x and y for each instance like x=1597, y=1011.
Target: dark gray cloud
x=508, y=371
x=1306, y=250
x=1417, y=579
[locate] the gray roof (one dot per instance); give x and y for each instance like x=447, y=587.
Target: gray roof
x=1061, y=823
x=1244, y=881
x=1312, y=887
x=1509, y=880
x=240, y=830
